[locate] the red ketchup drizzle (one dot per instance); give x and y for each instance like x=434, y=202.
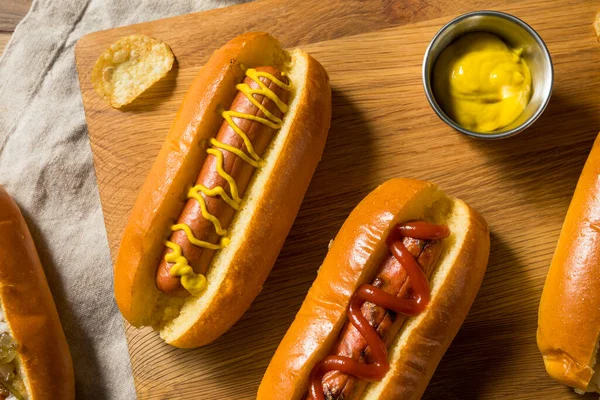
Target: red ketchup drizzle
x=411, y=306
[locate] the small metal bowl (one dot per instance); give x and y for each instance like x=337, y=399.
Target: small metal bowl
x=516, y=34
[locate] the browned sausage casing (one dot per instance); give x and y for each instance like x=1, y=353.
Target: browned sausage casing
x=391, y=278
x=260, y=136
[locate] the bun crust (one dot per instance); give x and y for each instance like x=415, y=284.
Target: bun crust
x=569, y=315
x=271, y=202
x=353, y=259
x=43, y=359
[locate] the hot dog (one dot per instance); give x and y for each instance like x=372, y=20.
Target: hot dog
x=391, y=278
x=259, y=135
x=214, y=211
x=568, y=334
x=35, y=363
x=394, y=288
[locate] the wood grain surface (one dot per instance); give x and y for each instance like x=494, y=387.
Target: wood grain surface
x=382, y=127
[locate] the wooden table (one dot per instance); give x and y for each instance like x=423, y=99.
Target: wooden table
x=494, y=356
x=382, y=127
x=11, y=12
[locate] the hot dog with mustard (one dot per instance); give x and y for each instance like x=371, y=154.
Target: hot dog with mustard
x=258, y=109
x=223, y=193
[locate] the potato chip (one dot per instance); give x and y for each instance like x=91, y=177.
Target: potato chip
x=130, y=66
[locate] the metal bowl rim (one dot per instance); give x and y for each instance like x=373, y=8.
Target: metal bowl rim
x=442, y=115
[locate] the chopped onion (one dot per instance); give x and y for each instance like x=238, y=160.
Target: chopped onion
x=8, y=348
x=6, y=370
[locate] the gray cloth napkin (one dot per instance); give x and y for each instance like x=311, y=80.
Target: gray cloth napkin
x=46, y=165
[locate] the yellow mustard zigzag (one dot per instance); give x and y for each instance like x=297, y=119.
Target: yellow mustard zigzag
x=192, y=282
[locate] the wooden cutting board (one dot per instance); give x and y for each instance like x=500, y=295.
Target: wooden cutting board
x=382, y=127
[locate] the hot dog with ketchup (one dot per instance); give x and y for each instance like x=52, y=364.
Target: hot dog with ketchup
x=223, y=193
x=395, y=286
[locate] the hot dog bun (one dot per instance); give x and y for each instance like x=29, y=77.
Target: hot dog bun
x=353, y=259
x=272, y=199
x=43, y=361
x=569, y=314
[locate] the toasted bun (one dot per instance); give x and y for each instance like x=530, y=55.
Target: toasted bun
x=353, y=259
x=271, y=202
x=43, y=360
x=569, y=314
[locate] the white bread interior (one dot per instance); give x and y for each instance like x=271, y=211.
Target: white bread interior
x=454, y=213
x=177, y=323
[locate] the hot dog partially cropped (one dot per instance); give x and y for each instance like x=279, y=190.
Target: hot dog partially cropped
x=394, y=289
x=35, y=362
x=568, y=333
x=224, y=190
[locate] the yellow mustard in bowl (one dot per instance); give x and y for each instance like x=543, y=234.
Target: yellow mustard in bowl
x=481, y=83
